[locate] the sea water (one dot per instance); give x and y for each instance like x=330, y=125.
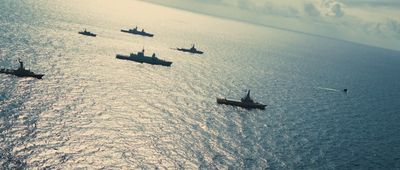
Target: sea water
x=94, y=111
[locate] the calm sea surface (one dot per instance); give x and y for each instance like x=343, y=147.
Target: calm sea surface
x=94, y=111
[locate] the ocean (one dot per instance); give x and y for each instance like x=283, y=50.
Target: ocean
x=92, y=111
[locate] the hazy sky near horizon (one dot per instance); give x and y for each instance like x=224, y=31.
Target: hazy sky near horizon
x=373, y=22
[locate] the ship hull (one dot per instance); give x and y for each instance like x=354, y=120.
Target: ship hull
x=12, y=72
x=88, y=34
x=241, y=104
x=189, y=51
x=138, y=33
x=147, y=60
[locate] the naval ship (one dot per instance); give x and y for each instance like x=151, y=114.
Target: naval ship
x=137, y=32
x=141, y=58
x=245, y=102
x=192, y=50
x=87, y=33
x=21, y=71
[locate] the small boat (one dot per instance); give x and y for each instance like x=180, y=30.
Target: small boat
x=87, y=33
x=192, y=50
x=21, y=72
x=245, y=102
x=141, y=58
x=137, y=32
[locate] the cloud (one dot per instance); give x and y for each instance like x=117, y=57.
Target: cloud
x=288, y=8
x=311, y=9
x=373, y=22
x=389, y=28
x=332, y=8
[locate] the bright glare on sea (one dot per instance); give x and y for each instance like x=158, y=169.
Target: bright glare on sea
x=93, y=111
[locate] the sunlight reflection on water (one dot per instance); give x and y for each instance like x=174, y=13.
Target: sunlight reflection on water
x=93, y=111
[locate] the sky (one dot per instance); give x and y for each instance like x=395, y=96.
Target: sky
x=371, y=22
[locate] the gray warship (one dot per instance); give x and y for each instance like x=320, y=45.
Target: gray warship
x=192, y=50
x=137, y=32
x=21, y=71
x=245, y=102
x=87, y=33
x=141, y=58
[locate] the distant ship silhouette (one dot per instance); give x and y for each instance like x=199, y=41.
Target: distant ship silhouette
x=141, y=58
x=192, y=50
x=87, y=33
x=137, y=32
x=21, y=72
x=245, y=102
